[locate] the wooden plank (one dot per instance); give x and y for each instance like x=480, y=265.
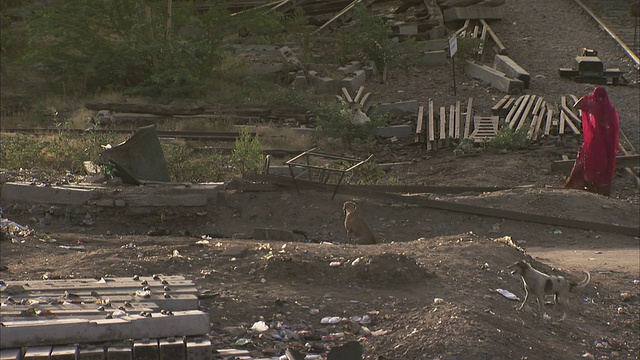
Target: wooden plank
x=431, y=128
x=534, y=132
x=574, y=128
x=71, y=331
x=512, y=110
x=419, y=124
x=502, y=50
x=443, y=125
x=571, y=116
x=365, y=103
x=457, y=121
x=561, y=125
x=516, y=116
x=526, y=112
x=469, y=119
x=498, y=107
x=452, y=125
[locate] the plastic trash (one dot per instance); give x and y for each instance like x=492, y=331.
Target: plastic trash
x=508, y=294
x=260, y=326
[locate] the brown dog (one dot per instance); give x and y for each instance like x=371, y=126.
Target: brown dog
x=355, y=225
x=541, y=284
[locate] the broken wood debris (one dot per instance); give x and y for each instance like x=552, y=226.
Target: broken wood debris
x=441, y=130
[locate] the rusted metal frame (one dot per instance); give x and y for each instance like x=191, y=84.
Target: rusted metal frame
x=477, y=210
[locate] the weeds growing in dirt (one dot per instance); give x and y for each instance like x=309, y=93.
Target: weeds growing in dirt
x=247, y=155
x=509, y=139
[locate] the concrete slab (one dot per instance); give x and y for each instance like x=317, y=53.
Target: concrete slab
x=473, y=12
x=70, y=331
x=506, y=65
x=59, y=195
x=37, y=352
x=497, y=79
x=146, y=349
x=325, y=85
x=354, y=81
x=199, y=348
x=121, y=351
x=172, y=349
x=64, y=352
x=90, y=352
x=10, y=354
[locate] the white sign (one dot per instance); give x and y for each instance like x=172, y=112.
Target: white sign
x=453, y=45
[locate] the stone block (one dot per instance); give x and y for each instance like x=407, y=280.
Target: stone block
x=350, y=68
x=199, y=348
x=62, y=195
x=266, y=68
x=473, y=12
x=146, y=349
x=497, y=79
x=11, y=354
x=400, y=131
x=64, y=352
x=300, y=82
x=325, y=85
x=506, y=65
x=172, y=349
x=354, y=80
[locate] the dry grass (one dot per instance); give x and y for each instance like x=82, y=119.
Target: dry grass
x=284, y=138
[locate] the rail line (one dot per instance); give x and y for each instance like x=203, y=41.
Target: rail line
x=163, y=134
x=616, y=19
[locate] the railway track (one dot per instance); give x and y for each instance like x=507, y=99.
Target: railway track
x=163, y=134
x=615, y=18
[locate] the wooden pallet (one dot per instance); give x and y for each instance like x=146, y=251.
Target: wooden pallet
x=443, y=129
x=485, y=127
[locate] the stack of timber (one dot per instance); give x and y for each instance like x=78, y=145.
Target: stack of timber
x=441, y=129
x=133, y=318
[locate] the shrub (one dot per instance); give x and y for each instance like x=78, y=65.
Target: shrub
x=247, y=154
x=508, y=139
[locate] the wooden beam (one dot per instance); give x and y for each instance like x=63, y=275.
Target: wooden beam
x=419, y=124
x=469, y=119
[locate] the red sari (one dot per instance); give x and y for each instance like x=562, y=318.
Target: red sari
x=595, y=164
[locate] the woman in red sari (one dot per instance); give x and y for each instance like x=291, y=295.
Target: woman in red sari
x=595, y=164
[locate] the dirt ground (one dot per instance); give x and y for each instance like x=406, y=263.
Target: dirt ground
x=428, y=291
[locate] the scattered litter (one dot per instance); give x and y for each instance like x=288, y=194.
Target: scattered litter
x=546, y=317
x=557, y=232
x=635, y=281
x=438, y=301
x=75, y=247
x=506, y=293
x=335, y=263
x=143, y=293
x=330, y=320
x=260, y=326
x=242, y=342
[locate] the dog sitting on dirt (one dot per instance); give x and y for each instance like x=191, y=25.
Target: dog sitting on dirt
x=540, y=284
x=355, y=225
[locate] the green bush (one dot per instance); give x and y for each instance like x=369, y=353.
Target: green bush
x=333, y=121
x=247, y=154
x=508, y=139
x=186, y=165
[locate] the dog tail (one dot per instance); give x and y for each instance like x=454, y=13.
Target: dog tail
x=582, y=283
